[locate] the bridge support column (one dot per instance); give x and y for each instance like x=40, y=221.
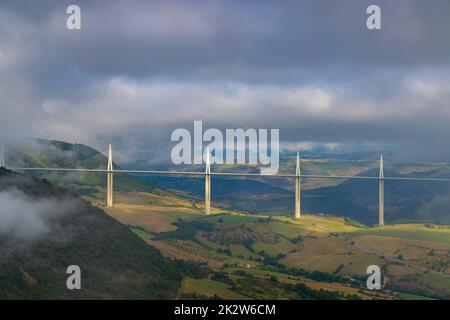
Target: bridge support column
x=2, y=157
x=381, y=195
x=297, y=189
x=207, y=194
x=207, y=185
x=109, y=182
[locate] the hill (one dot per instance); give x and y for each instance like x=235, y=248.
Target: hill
x=45, y=228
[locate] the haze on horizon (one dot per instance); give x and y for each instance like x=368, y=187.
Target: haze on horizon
x=140, y=69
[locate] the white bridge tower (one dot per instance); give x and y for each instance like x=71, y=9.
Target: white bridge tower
x=298, y=209
x=208, y=183
x=2, y=157
x=381, y=195
x=109, y=182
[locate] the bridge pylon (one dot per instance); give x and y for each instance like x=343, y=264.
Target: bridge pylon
x=208, y=184
x=381, y=194
x=109, y=180
x=2, y=157
x=298, y=209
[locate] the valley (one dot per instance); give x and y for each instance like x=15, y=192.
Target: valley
x=251, y=248
x=323, y=253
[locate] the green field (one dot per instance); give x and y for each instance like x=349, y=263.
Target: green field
x=408, y=231
x=233, y=242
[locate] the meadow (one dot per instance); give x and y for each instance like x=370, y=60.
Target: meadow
x=277, y=251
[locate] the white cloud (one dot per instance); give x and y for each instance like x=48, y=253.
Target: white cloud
x=23, y=218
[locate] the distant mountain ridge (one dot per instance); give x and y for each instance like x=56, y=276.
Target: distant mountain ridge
x=358, y=199
x=425, y=201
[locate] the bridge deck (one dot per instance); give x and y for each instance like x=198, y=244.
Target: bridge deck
x=188, y=173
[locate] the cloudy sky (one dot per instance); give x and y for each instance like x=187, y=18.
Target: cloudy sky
x=137, y=70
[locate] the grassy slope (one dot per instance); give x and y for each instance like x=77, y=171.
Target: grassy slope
x=409, y=231
x=317, y=250
x=115, y=263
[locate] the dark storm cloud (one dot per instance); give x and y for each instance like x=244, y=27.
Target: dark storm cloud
x=223, y=39
x=139, y=69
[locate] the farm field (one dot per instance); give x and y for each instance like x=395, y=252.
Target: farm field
x=278, y=253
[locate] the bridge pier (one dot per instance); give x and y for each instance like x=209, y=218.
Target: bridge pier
x=381, y=195
x=207, y=185
x=297, y=189
x=2, y=157
x=109, y=182
x=207, y=194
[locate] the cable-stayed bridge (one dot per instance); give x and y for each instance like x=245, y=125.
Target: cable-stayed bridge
x=95, y=165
